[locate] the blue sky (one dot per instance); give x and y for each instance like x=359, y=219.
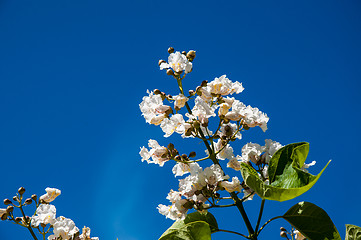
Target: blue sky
x=72, y=74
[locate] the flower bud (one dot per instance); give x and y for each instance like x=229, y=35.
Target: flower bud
x=192, y=155
x=9, y=209
x=283, y=229
x=34, y=197
x=7, y=201
x=170, y=72
x=283, y=234
x=199, y=91
x=204, y=83
x=178, y=158
x=42, y=225
x=21, y=190
x=184, y=156
x=175, y=152
x=28, y=201
x=196, y=124
x=184, y=53
x=191, y=55
x=4, y=216
x=15, y=198
x=157, y=91
x=17, y=219
x=170, y=146
x=170, y=50
x=161, y=61
x=191, y=92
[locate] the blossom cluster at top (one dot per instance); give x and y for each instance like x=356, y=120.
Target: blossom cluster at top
x=190, y=116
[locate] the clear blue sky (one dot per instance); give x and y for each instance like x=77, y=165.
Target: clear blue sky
x=72, y=74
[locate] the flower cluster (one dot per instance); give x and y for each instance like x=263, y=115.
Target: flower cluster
x=45, y=215
x=190, y=116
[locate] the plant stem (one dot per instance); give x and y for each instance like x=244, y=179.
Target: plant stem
x=213, y=157
x=29, y=223
x=260, y=215
x=264, y=225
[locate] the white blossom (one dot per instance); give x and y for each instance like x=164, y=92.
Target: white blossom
x=223, y=151
x=305, y=166
x=85, y=235
x=203, y=109
x=179, y=101
x=235, y=185
x=178, y=62
x=234, y=164
x=224, y=86
x=156, y=152
x=51, y=194
x=229, y=129
x=64, y=228
x=152, y=108
x=270, y=148
x=251, y=152
x=175, y=123
x=176, y=211
x=180, y=168
x=298, y=235
x=45, y=213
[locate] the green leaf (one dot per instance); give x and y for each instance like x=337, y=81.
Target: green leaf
x=312, y=221
x=287, y=180
x=353, y=232
x=196, y=226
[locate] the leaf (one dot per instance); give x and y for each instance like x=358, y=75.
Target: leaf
x=287, y=180
x=353, y=232
x=312, y=221
x=196, y=226
x=192, y=231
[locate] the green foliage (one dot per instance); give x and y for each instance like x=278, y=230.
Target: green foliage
x=287, y=180
x=196, y=226
x=353, y=232
x=312, y=221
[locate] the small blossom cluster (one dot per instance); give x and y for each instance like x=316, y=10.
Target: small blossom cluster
x=45, y=215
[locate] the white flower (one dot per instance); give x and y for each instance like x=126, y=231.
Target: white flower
x=64, y=228
x=224, y=86
x=45, y=214
x=175, y=123
x=251, y=152
x=305, y=166
x=86, y=234
x=178, y=62
x=51, y=194
x=229, y=129
x=179, y=101
x=234, y=164
x=235, y=185
x=298, y=235
x=226, y=152
x=202, y=109
x=182, y=168
x=176, y=211
x=270, y=148
x=153, y=110
x=156, y=152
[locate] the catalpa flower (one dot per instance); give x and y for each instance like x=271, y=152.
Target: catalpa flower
x=156, y=152
x=51, y=194
x=153, y=109
x=45, y=214
x=64, y=228
x=224, y=86
x=178, y=62
x=175, y=123
x=233, y=186
x=85, y=235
